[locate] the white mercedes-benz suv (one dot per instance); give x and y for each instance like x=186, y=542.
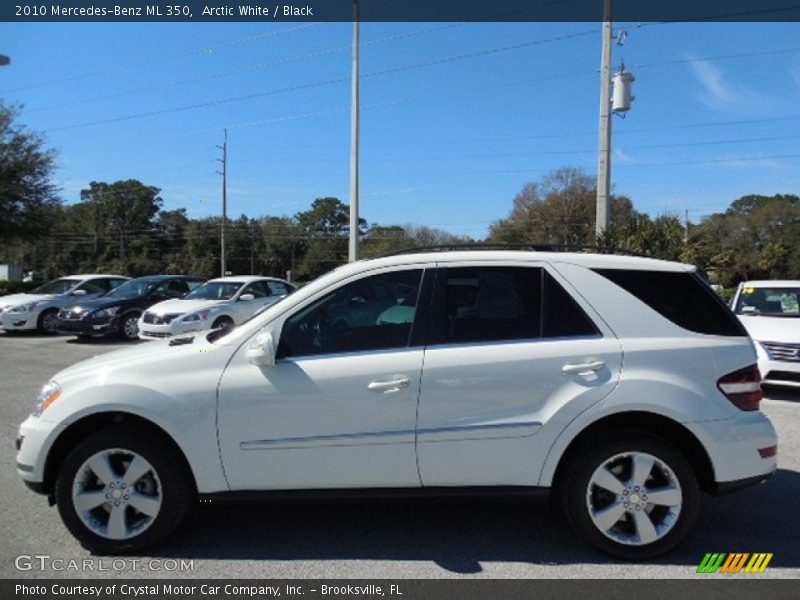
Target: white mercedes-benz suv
x=623, y=385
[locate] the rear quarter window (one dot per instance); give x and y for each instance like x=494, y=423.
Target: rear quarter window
x=681, y=297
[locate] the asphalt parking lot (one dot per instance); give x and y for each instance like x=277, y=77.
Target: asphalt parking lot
x=383, y=539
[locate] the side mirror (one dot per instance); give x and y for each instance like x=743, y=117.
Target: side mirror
x=262, y=350
x=246, y=298
x=79, y=293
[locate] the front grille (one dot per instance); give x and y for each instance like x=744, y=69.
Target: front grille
x=782, y=351
x=154, y=319
x=782, y=376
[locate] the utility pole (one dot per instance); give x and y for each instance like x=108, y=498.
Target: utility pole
x=604, y=150
x=352, y=254
x=224, y=173
x=686, y=226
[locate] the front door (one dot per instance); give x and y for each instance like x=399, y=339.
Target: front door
x=338, y=409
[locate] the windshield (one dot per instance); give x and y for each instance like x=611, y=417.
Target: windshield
x=59, y=286
x=135, y=288
x=769, y=301
x=215, y=290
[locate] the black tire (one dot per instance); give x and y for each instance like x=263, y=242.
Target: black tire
x=42, y=323
x=176, y=488
x=128, y=326
x=576, y=493
x=223, y=323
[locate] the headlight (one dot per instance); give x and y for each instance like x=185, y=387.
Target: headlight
x=104, y=313
x=198, y=316
x=21, y=308
x=49, y=394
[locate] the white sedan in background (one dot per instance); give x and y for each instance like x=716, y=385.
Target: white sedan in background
x=38, y=309
x=222, y=302
x=770, y=311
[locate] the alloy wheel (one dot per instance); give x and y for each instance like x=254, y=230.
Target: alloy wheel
x=49, y=322
x=117, y=494
x=130, y=328
x=634, y=498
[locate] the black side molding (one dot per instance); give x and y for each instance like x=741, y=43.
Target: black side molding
x=539, y=493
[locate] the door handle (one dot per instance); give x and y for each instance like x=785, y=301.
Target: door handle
x=584, y=368
x=395, y=385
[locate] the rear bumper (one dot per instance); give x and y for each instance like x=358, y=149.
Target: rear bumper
x=733, y=446
x=734, y=486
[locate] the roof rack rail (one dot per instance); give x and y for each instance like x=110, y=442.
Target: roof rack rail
x=523, y=247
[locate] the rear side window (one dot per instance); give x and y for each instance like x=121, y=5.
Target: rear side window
x=680, y=297
x=489, y=304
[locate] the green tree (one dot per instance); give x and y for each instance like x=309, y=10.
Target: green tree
x=558, y=209
x=28, y=200
x=326, y=226
x=124, y=211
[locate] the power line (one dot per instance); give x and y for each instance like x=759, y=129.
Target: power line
x=410, y=99
x=388, y=71
x=166, y=58
x=248, y=68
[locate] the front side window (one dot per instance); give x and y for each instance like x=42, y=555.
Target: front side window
x=490, y=304
x=259, y=289
x=374, y=313
x=279, y=288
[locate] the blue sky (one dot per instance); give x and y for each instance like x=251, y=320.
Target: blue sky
x=455, y=117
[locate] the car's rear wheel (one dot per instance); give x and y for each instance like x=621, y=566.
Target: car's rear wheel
x=223, y=323
x=48, y=321
x=633, y=495
x=120, y=492
x=129, y=326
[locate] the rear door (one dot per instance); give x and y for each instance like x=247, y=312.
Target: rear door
x=511, y=358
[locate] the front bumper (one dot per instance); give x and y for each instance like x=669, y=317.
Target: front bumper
x=36, y=437
x=148, y=331
x=24, y=321
x=780, y=372
x=88, y=326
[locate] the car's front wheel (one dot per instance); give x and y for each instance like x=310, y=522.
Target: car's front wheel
x=633, y=495
x=129, y=326
x=120, y=492
x=223, y=323
x=48, y=321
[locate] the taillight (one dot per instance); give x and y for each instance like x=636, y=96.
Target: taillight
x=742, y=387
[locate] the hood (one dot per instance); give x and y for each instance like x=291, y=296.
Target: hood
x=179, y=306
x=17, y=299
x=153, y=357
x=99, y=303
x=772, y=329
